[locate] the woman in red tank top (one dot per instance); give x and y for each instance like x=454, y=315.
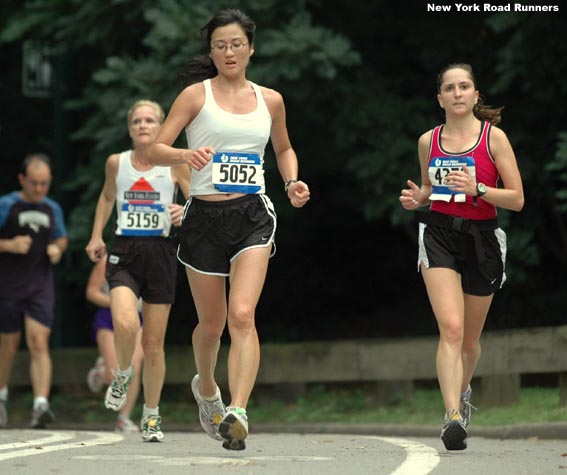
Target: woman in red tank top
x=461, y=248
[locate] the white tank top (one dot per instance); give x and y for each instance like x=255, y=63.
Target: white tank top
x=228, y=132
x=143, y=199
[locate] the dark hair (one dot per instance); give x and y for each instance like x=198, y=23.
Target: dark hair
x=201, y=67
x=31, y=158
x=480, y=110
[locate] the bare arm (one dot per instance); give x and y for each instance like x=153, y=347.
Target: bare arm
x=417, y=196
x=512, y=195
x=184, y=109
x=17, y=245
x=298, y=192
x=95, y=285
x=57, y=248
x=96, y=247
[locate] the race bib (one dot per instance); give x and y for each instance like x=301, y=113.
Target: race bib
x=439, y=168
x=235, y=172
x=142, y=219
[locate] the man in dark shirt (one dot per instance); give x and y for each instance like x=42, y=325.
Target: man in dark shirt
x=33, y=239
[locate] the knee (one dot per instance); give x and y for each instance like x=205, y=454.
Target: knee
x=8, y=349
x=471, y=347
x=125, y=326
x=153, y=349
x=452, y=333
x=241, y=318
x=211, y=331
x=38, y=344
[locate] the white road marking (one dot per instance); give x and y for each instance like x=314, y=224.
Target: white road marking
x=101, y=438
x=420, y=459
x=55, y=437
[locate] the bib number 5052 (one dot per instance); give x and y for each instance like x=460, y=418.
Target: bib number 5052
x=236, y=172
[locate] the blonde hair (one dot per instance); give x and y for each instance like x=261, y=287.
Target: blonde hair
x=146, y=102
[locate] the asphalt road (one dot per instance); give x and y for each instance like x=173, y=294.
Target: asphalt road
x=66, y=452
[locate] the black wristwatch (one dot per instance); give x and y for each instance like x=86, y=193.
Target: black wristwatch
x=480, y=189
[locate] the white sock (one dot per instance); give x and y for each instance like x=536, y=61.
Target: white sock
x=147, y=411
x=4, y=394
x=39, y=400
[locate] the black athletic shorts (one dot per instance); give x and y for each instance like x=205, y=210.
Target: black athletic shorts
x=214, y=233
x=38, y=304
x=146, y=265
x=477, y=254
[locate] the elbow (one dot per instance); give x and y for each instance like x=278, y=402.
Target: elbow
x=519, y=204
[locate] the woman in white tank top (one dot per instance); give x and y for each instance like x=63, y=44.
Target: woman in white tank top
x=229, y=223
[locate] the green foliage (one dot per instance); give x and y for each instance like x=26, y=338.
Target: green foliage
x=558, y=169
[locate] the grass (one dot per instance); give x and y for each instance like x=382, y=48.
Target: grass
x=320, y=404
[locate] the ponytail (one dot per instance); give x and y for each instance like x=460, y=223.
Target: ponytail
x=488, y=113
x=197, y=69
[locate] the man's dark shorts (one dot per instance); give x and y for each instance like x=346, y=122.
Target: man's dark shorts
x=38, y=305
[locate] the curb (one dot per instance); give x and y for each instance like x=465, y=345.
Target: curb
x=551, y=430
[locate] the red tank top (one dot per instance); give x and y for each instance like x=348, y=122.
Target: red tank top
x=480, y=159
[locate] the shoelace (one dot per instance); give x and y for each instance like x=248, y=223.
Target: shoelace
x=152, y=428
x=467, y=403
x=117, y=385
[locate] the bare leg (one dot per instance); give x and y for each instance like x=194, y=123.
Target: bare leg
x=153, y=338
x=9, y=343
x=446, y=297
x=105, y=342
x=37, y=339
x=476, y=310
x=209, y=295
x=247, y=276
x=124, y=309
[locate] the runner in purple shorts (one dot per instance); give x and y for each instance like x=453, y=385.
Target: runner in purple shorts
x=100, y=375
x=33, y=239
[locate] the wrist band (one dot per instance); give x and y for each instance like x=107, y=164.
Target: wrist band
x=287, y=183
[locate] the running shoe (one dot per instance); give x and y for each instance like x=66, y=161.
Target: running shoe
x=95, y=376
x=3, y=414
x=211, y=412
x=151, y=429
x=42, y=416
x=124, y=424
x=234, y=428
x=115, y=397
x=454, y=432
x=466, y=406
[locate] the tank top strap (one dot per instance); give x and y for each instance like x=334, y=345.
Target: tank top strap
x=208, y=91
x=486, y=126
x=259, y=95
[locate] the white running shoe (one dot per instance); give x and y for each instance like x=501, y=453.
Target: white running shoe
x=124, y=424
x=115, y=397
x=95, y=376
x=234, y=428
x=210, y=412
x=151, y=429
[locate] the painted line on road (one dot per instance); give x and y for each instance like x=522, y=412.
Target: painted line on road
x=420, y=459
x=101, y=438
x=56, y=437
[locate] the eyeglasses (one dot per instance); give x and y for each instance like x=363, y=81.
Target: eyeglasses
x=235, y=46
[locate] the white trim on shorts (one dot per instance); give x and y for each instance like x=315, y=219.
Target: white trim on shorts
x=422, y=253
x=271, y=241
